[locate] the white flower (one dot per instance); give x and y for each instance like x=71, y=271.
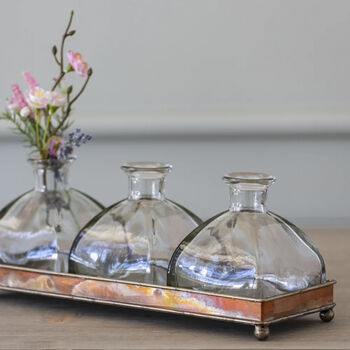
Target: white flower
x=39, y=98
x=57, y=99
x=25, y=112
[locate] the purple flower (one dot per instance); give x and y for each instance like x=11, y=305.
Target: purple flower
x=75, y=139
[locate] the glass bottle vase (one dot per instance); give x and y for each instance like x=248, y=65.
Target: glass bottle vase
x=247, y=251
x=134, y=239
x=37, y=229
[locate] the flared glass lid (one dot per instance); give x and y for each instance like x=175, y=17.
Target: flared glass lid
x=147, y=168
x=249, y=177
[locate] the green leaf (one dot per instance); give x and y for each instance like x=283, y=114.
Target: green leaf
x=20, y=127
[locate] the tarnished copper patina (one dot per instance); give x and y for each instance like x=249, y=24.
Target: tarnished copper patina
x=258, y=312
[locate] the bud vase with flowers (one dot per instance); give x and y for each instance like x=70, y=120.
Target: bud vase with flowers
x=38, y=227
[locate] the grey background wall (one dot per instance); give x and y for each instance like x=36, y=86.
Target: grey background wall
x=210, y=86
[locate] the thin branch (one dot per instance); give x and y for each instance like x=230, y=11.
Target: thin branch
x=70, y=103
x=58, y=81
x=60, y=63
x=82, y=89
x=64, y=38
x=57, y=61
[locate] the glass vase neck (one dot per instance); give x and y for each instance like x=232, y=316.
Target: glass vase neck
x=50, y=174
x=248, y=191
x=146, y=179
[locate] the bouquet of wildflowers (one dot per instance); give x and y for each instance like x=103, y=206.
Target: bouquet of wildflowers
x=42, y=116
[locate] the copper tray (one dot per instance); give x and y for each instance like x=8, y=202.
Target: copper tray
x=257, y=312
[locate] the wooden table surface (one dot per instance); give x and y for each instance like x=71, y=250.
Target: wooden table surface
x=34, y=322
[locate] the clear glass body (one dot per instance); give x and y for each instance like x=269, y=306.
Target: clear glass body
x=247, y=251
x=38, y=228
x=134, y=239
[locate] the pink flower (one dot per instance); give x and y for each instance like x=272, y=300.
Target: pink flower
x=17, y=101
x=77, y=63
x=57, y=99
x=39, y=98
x=55, y=142
x=12, y=105
x=30, y=81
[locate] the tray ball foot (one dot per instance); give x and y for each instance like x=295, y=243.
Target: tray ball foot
x=261, y=332
x=327, y=315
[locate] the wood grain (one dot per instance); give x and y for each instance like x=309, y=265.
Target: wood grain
x=34, y=322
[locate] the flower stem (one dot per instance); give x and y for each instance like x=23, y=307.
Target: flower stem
x=48, y=121
x=37, y=132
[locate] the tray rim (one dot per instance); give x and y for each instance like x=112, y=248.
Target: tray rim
x=71, y=275
x=164, y=310
x=260, y=313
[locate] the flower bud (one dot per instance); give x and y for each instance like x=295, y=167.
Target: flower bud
x=54, y=49
x=69, y=68
x=72, y=32
x=89, y=72
x=70, y=89
x=52, y=109
x=25, y=112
